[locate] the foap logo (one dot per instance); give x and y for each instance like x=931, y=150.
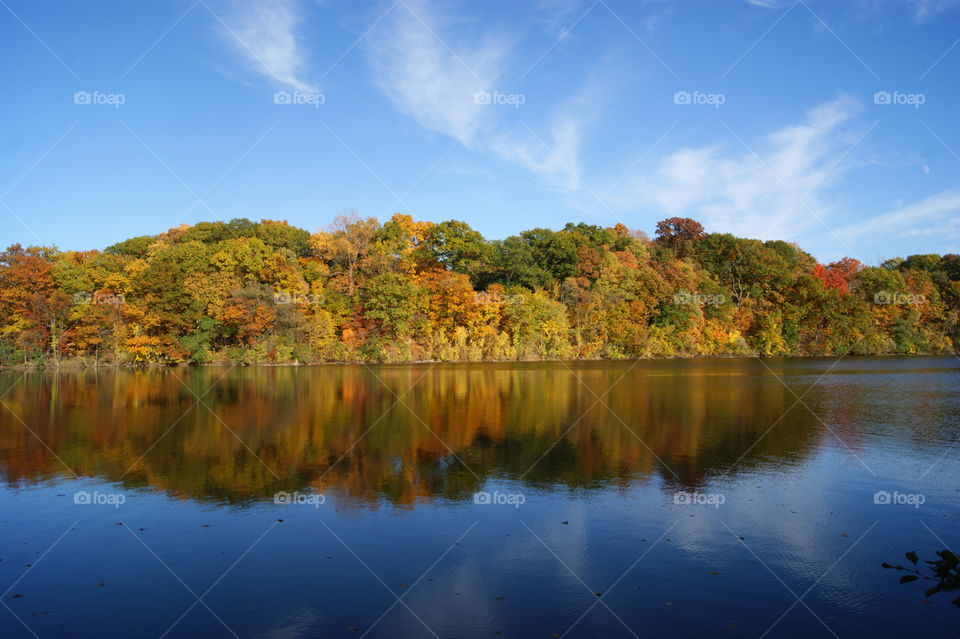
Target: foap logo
x=96, y=498
x=485, y=498
x=898, y=98
x=482, y=298
x=99, y=297
x=684, y=498
x=708, y=99
x=109, y=99
x=299, y=97
x=698, y=299
x=496, y=98
x=297, y=498
x=896, y=498
x=903, y=299
x=282, y=298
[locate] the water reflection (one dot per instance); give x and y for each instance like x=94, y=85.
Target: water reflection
x=424, y=432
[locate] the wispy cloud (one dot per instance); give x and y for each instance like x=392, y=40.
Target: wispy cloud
x=557, y=158
x=445, y=86
x=924, y=10
x=769, y=189
x=556, y=15
x=263, y=33
x=427, y=79
x=934, y=216
x=767, y=4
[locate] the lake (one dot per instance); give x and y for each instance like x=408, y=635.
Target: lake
x=715, y=498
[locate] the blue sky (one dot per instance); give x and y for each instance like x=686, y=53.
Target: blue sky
x=758, y=118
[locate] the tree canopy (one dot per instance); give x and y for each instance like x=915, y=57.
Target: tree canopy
x=407, y=290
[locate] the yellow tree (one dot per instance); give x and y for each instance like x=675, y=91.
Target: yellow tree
x=346, y=244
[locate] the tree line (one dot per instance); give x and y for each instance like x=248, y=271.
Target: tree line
x=407, y=290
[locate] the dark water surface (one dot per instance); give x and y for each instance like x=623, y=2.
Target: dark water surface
x=699, y=498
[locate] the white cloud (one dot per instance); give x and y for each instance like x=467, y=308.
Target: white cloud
x=926, y=9
x=557, y=15
x=427, y=80
x=767, y=191
x=435, y=79
x=263, y=34
x=766, y=4
x=931, y=216
x=557, y=159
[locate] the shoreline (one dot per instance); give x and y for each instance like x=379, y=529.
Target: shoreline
x=75, y=365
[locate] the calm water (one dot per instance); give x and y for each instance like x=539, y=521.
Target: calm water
x=699, y=498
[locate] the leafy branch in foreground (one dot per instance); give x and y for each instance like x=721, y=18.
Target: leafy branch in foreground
x=945, y=571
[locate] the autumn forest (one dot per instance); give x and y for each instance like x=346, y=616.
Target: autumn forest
x=404, y=290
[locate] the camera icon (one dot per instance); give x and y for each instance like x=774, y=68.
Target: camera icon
x=482, y=97
x=282, y=97
x=881, y=97
x=82, y=298
x=282, y=298
x=882, y=297
x=81, y=97
x=482, y=497
x=682, y=97
x=681, y=498
x=882, y=497
x=282, y=497
x=81, y=497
